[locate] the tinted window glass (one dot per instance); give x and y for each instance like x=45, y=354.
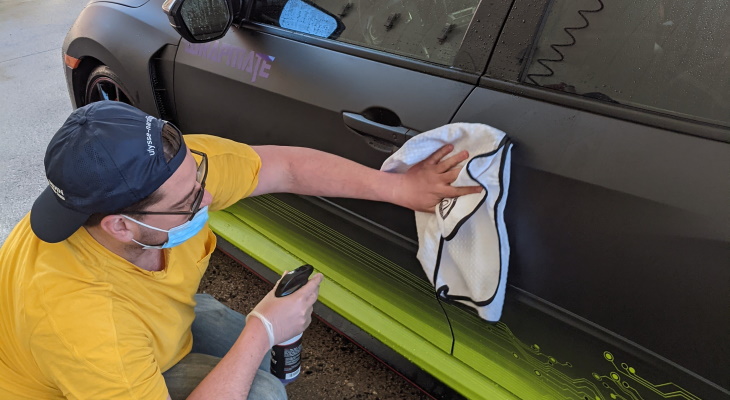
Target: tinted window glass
x=666, y=55
x=426, y=30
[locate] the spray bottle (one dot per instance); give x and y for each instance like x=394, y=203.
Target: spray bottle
x=286, y=356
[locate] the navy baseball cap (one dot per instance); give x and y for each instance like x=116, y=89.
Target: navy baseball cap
x=107, y=156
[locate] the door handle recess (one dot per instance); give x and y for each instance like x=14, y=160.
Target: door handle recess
x=396, y=135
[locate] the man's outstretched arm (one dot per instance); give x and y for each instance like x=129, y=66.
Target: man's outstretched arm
x=313, y=172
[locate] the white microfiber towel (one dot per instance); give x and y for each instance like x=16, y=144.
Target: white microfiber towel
x=463, y=246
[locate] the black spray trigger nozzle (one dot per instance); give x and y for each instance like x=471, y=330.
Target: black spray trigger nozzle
x=293, y=280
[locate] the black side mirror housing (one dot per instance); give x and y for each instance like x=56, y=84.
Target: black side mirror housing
x=200, y=21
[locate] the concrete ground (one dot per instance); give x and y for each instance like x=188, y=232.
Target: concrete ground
x=34, y=103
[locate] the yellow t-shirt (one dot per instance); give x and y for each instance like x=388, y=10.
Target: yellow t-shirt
x=79, y=322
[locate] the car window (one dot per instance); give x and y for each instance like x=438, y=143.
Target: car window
x=670, y=56
x=426, y=30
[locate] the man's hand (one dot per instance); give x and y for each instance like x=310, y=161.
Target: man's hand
x=428, y=182
x=290, y=315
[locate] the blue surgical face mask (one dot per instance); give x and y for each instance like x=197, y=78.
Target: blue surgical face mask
x=178, y=234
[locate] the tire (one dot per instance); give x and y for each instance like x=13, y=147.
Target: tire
x=104, y=84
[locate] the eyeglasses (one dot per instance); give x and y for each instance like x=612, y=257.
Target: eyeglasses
x=201, y=175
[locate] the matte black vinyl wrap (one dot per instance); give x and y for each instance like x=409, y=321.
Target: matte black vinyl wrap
x=127, y=55
x=622, y=224
x=300, y=98
x=326, y=79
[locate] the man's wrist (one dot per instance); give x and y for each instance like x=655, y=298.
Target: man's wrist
x=266, y=324
x=393, y=183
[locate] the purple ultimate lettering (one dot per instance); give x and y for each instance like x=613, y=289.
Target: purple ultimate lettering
x=256, y=64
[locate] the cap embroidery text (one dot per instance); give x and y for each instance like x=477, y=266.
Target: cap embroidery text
x=150, y=147
x=56, y=190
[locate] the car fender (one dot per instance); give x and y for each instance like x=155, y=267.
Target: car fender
x=94, y=40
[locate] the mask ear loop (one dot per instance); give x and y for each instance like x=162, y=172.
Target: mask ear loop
x=143, y=224
x=147, y=246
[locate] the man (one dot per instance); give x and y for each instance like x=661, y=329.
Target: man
x=98, y=282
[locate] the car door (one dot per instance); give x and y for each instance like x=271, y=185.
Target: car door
x=619, y=206
x=390, y=72
x=359, y=96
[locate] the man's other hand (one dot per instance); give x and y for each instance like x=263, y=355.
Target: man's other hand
x=290, y=315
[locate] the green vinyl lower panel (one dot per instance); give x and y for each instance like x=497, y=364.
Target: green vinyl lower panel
x=381, y=299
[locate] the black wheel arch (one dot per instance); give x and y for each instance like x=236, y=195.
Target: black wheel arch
x=79, y=78
x=130, y=57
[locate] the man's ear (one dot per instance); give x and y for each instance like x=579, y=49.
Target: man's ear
x=118, y=227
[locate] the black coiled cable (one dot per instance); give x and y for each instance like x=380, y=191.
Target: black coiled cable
x=543, y=61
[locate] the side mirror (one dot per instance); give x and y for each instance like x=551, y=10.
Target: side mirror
x=306, y=17
x=199, y=21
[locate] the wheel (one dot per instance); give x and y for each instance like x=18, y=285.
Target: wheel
x=104, y=84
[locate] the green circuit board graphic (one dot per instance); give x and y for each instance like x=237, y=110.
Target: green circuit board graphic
x=617, y=382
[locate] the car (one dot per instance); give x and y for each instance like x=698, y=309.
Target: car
x=618, y=215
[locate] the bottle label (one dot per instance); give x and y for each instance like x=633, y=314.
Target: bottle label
x=293, y=375
x=286, y=360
